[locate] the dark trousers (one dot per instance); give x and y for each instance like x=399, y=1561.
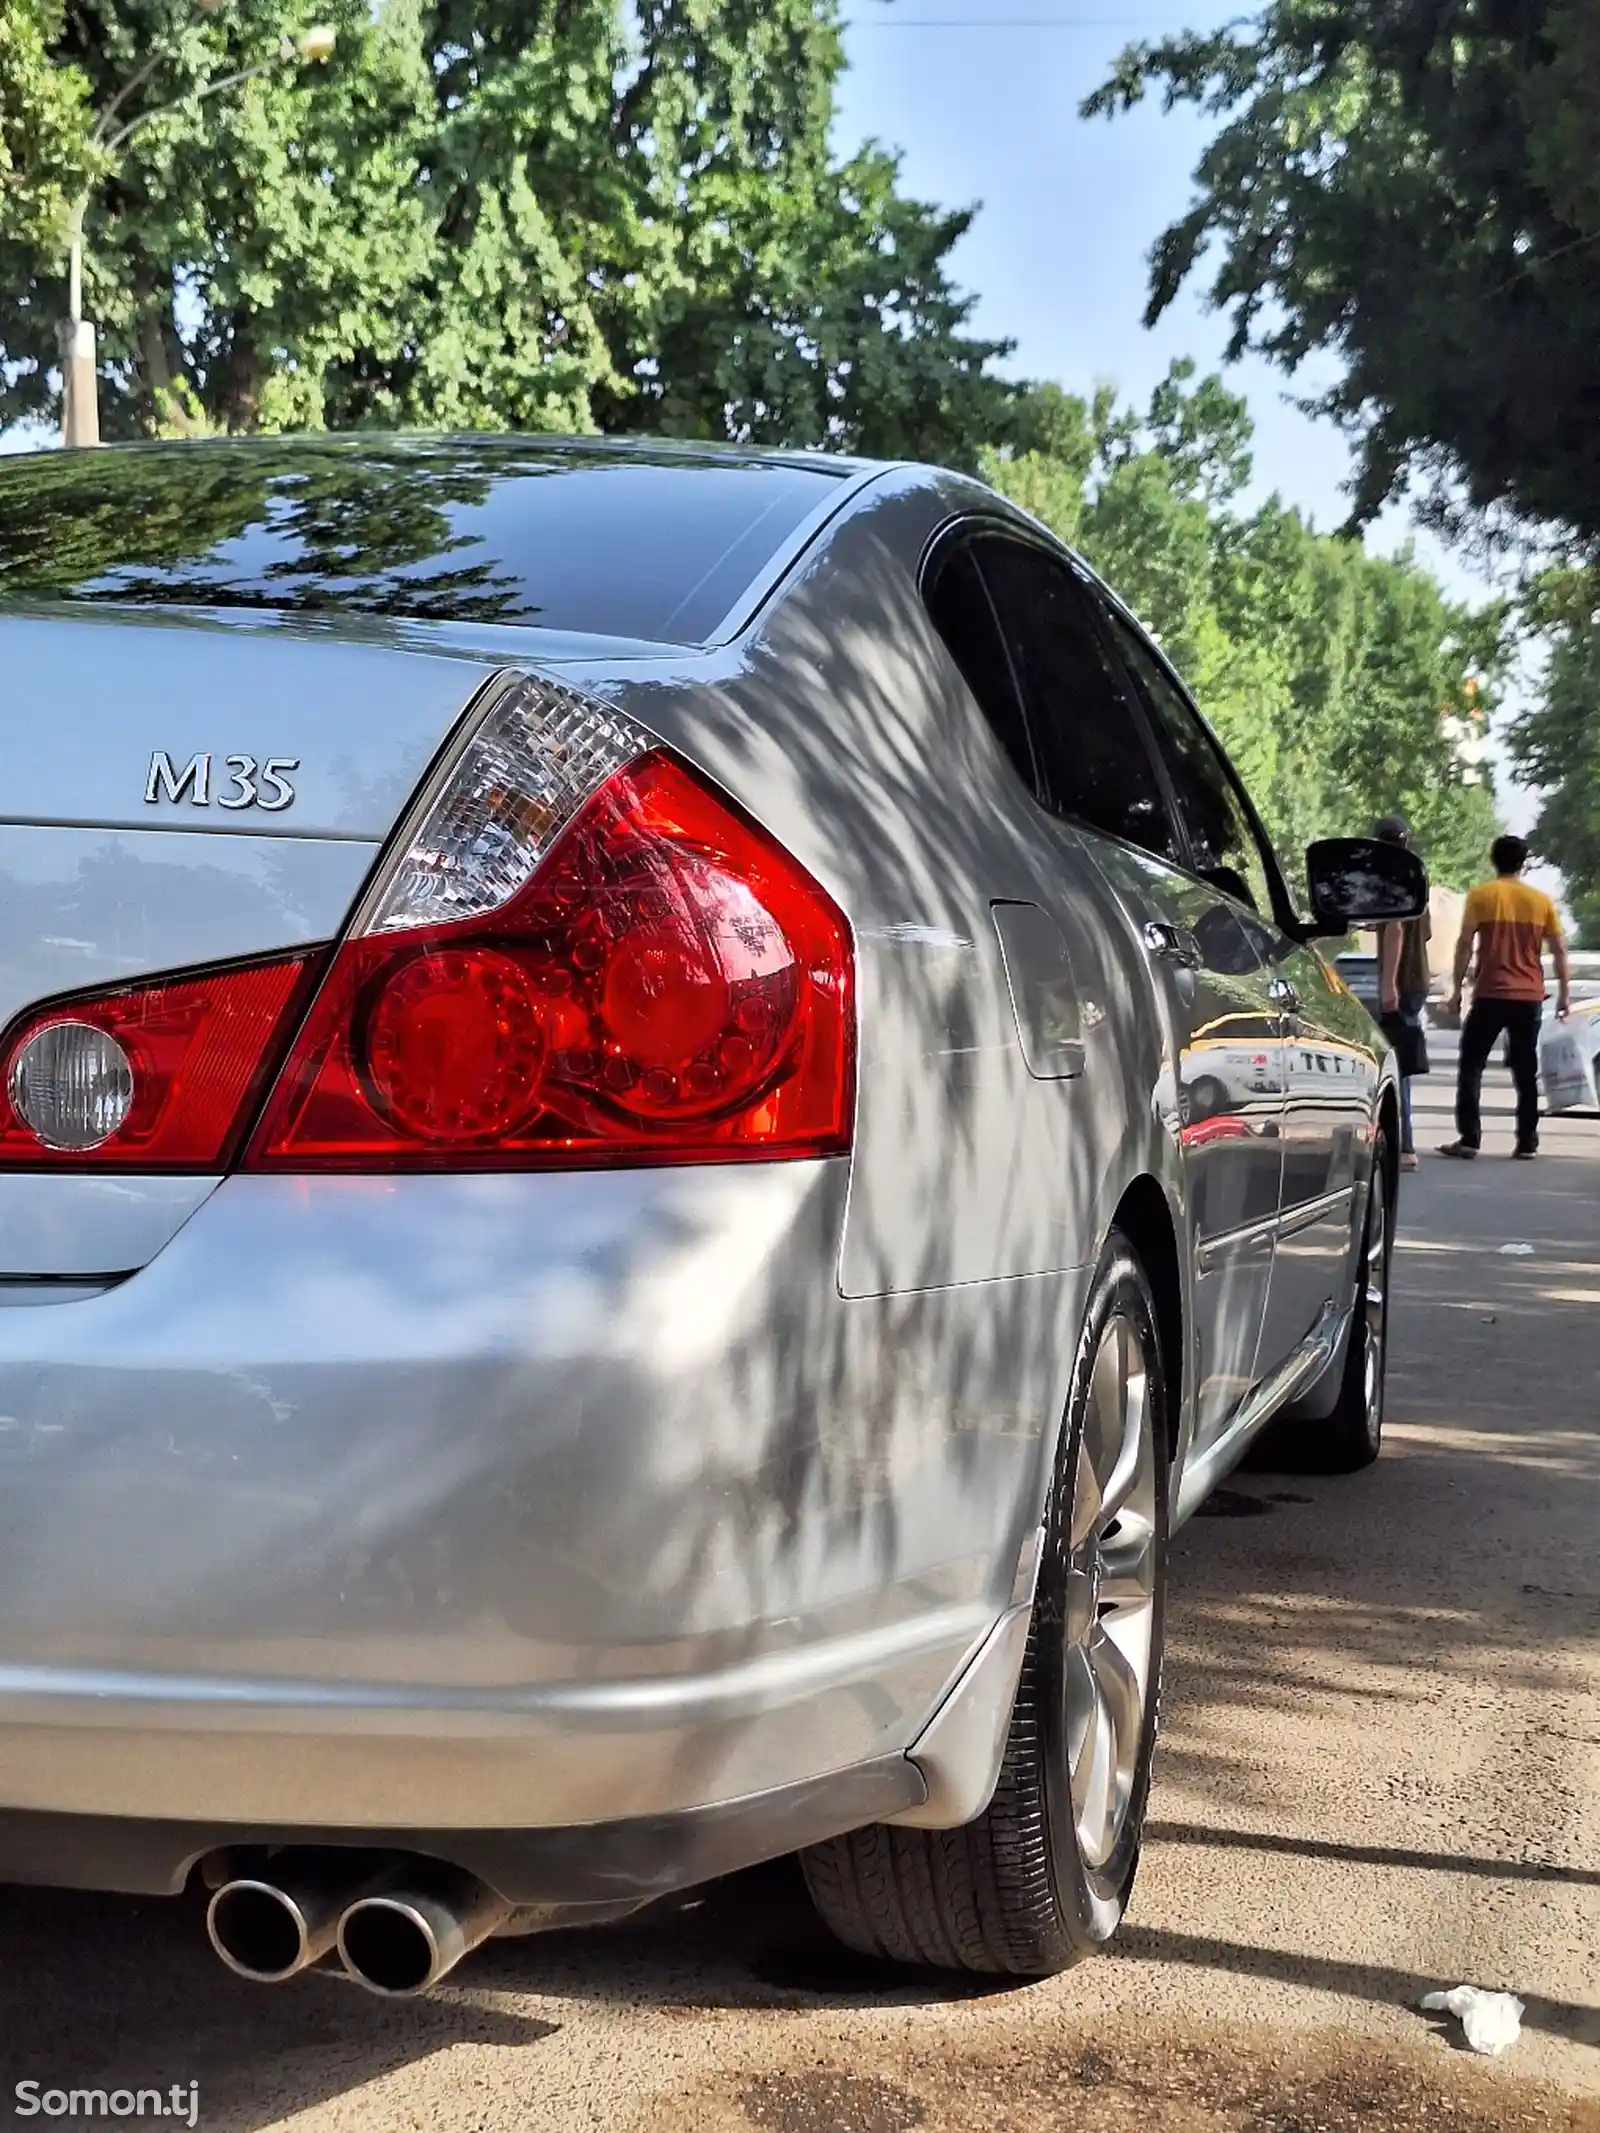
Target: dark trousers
x=1411, y=1006
x=1488, y=1020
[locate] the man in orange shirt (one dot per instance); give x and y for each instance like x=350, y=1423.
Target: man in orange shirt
x=1511, y=922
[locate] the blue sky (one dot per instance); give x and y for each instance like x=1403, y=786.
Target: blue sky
x=984, y=109
x=981, y=98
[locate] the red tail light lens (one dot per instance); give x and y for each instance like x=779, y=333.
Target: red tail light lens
x=148, y=1077
x=454, y=1045
x=669, y=986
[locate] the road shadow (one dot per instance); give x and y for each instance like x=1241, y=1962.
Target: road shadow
x=1377, y=1982
x=1260, y=1840
x=125, y=1993
x=750, y=1941
x=114, y=1992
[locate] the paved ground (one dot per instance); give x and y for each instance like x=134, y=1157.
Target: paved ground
x=1381, y=1772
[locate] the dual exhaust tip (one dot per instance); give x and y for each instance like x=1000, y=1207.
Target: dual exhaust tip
x=399, y=1927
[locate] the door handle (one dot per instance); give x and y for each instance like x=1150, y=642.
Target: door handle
x=1286, y=996
x=1171, y=944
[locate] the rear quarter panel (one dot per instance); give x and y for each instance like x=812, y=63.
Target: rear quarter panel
x=842, y=724
x=840, y=721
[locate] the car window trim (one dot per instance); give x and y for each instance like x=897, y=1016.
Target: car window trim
x=947, y=540
x=973, y=525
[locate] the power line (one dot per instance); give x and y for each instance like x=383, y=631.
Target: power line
x=1012, y=22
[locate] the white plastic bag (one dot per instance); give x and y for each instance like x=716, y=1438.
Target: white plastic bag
x=1566, y=1070
x=1492, y=2021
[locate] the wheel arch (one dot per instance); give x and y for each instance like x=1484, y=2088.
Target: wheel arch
x=959, y=1752
x=1389, y=1127
x=1146, y=1220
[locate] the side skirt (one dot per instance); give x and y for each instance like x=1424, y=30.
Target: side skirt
x=1257, y=1408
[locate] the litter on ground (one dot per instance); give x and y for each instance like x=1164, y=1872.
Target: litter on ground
x=1492, y=2020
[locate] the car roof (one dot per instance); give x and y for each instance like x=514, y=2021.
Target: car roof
x=648, y=539
x=837, y=481
x=508, y=445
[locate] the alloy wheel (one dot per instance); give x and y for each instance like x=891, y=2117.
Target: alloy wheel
x=1111, y=1590
x=1375, y=1303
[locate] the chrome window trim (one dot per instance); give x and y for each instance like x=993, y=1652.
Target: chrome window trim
x=1288, y=1222
x=1027, y=534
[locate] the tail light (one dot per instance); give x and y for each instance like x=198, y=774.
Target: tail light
x=150, y=1077
x=580, y=955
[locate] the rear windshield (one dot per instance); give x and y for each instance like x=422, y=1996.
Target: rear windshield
x=568, y=538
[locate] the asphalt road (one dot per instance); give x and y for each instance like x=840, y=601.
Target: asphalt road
x=1380, y=1773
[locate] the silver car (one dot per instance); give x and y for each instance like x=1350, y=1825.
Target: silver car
x=660, y=1109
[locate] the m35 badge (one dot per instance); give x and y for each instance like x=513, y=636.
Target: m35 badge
x=238, y=782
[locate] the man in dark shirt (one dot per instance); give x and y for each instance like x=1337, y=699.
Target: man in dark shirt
x=1403, y=976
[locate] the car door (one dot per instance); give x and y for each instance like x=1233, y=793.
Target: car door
x=1325, y=1074
x=1219, y=1089
x=1332, y=1072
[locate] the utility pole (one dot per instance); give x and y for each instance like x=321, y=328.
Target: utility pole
x=80, y=406
x=80, y=411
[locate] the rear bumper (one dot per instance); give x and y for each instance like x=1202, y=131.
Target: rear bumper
x=513, y=1503
x=360, y=1757
x=587, y=1873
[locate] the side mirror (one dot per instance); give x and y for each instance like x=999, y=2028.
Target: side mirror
x=1363, y=881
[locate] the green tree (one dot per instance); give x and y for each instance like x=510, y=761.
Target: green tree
x=44, y=125
x=1411, y=185
x=1556, y=743
x=540, y=214
x=1048, y=448
x=280, y=217
x=1203, y=435
x=539, y=260
x=825, y=317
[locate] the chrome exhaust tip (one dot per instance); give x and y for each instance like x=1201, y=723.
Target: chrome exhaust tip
x=263, y=1932
x=404, y=1940
x=270, y=1926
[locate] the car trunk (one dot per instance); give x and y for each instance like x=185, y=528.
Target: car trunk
x=130, y=843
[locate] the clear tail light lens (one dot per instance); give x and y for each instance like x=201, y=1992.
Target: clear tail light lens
x=538, y=754
x=666, y=986
x=71, y=1085
x=148, y=1077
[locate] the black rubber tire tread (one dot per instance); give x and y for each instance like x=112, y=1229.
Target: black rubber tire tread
x=979, y=1898
x=1338, y=1443
x=985, y=1897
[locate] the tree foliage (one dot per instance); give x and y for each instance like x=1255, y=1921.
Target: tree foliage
x=628, y=215
x=1342, y=682
x=1556, y=742
x=44, y=125
x=531, y=214
x=1413, y=185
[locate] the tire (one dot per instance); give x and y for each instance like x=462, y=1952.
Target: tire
x=1350, y=1436
x=1042, y=1878
x=1207, y=1097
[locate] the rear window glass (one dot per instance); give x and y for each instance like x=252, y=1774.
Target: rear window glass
x=492, y=531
